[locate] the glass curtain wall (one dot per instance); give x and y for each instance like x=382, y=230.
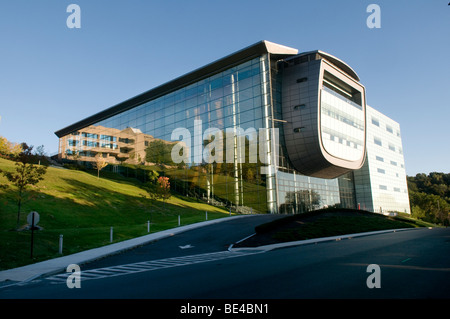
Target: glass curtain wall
x=139, y=140
x=246, y=97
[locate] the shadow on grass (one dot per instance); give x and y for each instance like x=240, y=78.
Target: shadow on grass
x=83, y=214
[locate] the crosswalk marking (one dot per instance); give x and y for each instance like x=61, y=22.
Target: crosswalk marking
x=151, y=265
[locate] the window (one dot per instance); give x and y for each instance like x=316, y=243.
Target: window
x=90, y=143
x=380, y=159
x=389, y=129
x=375, y=121
x=380, y=170
x=302, y=80
x=396, y=189
x=383, y=187
x=108, y=138
x=90, y=135
x=392, y=147
x=71, y=142
x=377, y=141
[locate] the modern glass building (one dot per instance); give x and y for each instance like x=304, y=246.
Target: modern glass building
x=263, y=130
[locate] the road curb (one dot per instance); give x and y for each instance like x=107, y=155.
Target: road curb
x=314, y=240
x=53, y=266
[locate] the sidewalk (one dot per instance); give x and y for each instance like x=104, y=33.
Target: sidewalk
x=53, y=266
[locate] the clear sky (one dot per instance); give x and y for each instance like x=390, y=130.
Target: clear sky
x=52, y=76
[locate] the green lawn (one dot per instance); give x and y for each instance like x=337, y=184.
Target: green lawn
x=82, y=208
x=338, y=223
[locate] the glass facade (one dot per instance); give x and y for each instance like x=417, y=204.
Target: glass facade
x=244, y=96
x=235, y=98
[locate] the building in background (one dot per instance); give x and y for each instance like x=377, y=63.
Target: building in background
x=326, y=153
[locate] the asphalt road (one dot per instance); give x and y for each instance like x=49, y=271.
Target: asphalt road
x=412, y=264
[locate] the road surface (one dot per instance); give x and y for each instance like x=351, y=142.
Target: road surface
x=197, y=265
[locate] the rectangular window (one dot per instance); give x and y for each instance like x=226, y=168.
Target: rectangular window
x=90, y=135
x=108, y=138
x=71, y=142
x=389, y=129
x=392, y=147
x=383, y=187
x=377, y=141
x=90, y=143
x=380, y=159
x=396, y=189
x=394, y=163
x=375, y=121
x=380, y=170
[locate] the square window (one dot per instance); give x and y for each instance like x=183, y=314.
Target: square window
x=375, y=121
x=389, y=129
x=377, y=141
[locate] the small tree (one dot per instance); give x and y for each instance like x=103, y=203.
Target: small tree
x=9, y=150
x=153, y=176
x=163, y=189
x=25, y=174
x=99, y=163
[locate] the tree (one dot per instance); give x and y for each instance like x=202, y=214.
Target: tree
x=99, y=163
x=41, y=156
x=159, y=152
x=8, y=149
x=25, y=174
x=153, y=176
x=163, y=189
x=430, y=196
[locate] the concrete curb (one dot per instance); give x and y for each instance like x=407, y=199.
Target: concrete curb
x=56, y=265
x=315, y=240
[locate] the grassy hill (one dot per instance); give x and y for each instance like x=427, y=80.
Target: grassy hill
x=326, y=223
x=82, y=208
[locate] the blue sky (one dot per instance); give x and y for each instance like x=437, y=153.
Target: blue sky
x=52, y=76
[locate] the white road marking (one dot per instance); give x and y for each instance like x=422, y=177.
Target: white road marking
x=186, y=246
x=127, y=269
